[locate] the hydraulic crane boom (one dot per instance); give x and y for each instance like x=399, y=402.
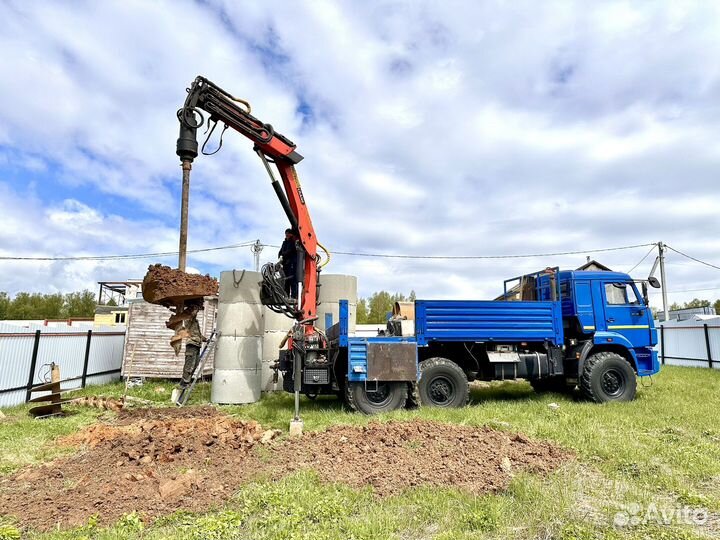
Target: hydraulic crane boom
x=307, y=346
x=273, y=148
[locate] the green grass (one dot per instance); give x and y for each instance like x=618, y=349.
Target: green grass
x=663, y=448
x=24, y=440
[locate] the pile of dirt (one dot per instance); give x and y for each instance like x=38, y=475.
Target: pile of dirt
x=153, y=461
x=395, y=456
x=164, y=285
x=156, y=461
x=159, y=435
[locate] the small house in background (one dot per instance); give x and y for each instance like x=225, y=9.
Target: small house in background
x=593, y=265
x=112, y=303
x=110, y=315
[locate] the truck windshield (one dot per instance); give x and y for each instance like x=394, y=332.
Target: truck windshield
x=620, y=294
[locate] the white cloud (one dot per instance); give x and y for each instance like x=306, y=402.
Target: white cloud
x=437, y=128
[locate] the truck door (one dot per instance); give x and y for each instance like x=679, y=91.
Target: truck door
x=626, y=314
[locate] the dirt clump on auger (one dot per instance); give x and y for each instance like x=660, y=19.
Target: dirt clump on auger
x=168, y=286
x=178, y=291
x=157, y=461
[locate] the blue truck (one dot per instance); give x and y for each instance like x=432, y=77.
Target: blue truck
x=591, y=330
x=560, y=330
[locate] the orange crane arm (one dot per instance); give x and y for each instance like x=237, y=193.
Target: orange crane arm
x=273, y=148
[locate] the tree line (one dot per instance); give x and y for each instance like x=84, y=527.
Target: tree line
x=696, y=303
x=374, y=309
x=40, y=306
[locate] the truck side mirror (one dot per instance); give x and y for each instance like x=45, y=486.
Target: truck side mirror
x=654, y=282
x=645, y=293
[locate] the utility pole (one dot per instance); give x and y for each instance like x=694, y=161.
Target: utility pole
x=257, y=248
x=661, y=258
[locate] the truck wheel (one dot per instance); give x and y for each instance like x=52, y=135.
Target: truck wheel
x=442, y=383
x=607, y=376
x=550, y=384
x=388, y=397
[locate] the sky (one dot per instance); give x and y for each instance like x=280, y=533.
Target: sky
x=428, y=128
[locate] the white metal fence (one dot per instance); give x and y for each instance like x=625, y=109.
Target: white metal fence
x=85, y=356
x=690, y=343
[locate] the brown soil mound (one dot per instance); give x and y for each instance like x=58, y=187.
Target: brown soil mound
x=394, y=456
x=153, y=462
x=129, y=416
x=165, y=285
x=156, y=461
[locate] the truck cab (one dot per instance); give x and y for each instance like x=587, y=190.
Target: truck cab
x=607, y=310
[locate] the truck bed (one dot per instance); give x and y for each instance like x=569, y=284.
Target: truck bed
x=480, y=320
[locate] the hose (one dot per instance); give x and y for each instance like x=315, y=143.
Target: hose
x=327, y=253
x=273, y=291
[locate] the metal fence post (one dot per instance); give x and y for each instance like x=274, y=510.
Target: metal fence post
x=87, y=358
x=707, y=345
x=33, y=364
x=662, y=344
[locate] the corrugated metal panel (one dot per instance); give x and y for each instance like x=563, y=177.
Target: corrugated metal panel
x=357, y=359
x=102, y=379
x=68, y=351
x=488, y=320
x=685, y=343
x=106, y=351
x=15, y=354
x=63, y=345
x=147, y=343
x=714, y=335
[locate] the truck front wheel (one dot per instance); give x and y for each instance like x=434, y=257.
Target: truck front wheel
x=442, y=383
x=607, y=376
x=373, y=399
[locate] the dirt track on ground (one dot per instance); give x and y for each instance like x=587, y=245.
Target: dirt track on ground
x=156, y=461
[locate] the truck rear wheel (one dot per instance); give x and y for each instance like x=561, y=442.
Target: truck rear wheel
x=442, y=383
x=607, y=376
x=385, y=397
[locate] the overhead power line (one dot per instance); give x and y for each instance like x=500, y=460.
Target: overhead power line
x=692, y=258
x=472, y=257
x=641, y=260
x=688, y=290
x=123, y=257
x=348, y=253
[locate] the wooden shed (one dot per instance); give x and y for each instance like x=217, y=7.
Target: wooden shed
x=147, y=341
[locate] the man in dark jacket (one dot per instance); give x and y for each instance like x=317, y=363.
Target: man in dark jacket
x=192, y=347
x=288, y=256
x=193, y=341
